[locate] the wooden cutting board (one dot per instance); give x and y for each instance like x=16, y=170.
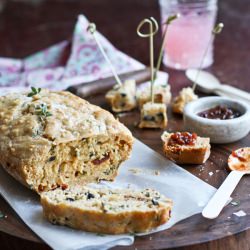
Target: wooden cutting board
x=193, y=230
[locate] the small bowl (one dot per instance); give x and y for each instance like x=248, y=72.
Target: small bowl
x=219, y=131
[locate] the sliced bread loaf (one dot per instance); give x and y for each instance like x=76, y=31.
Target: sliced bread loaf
x=50, y=139
x=106, y=211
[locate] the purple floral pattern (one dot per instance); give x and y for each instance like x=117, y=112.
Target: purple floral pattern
x=86, y=59
x=48, y=58
x=57, y=67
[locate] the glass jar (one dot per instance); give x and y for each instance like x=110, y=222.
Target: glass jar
x=189, y=36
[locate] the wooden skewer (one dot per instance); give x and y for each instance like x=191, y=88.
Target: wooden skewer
x=92, y=29
x=153, y=28
x=167, y=23
x=216, y=30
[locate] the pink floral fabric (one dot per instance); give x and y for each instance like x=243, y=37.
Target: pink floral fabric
x=86, y=59
x=64, y=64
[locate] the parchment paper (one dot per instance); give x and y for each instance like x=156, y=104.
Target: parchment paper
x=144, y=169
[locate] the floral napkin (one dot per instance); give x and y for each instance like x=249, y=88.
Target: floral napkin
x=65, y=63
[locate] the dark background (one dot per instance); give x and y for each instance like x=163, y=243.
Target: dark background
x=27, y=26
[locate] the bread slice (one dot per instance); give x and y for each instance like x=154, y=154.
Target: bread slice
x=197, y=153
x=52, y=139
x=122, y=98
x=185, y=96
x=107, y=211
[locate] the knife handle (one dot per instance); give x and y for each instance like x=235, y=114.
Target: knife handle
x=94, y=87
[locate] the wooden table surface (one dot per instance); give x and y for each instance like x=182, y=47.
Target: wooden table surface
x=27, y=26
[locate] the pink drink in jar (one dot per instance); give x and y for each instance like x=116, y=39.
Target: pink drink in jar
x=189, y=36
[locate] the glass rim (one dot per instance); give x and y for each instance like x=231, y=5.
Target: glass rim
x=189, y=4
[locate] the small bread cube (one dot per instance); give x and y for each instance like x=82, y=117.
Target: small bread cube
x=185, y=96
x=185, y=147
x=153, y=115
x=162, y=94
x=122, y=98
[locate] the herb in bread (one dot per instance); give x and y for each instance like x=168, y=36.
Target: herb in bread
x=56, y=139
x=153, y=115
x=107, y=211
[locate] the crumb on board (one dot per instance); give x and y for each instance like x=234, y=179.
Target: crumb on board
x=136, y=124
x=240, y=213
x=139, y=171
x=235, y=203
x=135, y=170
x=121, y=114
x=2, y=215
x=100, y=234
x=201, y=168
x=157, y=172
x=210, y=173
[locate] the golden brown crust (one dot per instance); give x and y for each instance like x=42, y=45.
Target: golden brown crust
x=153, y=115
x=185, y=96
x=162, y=94
x=132, y=220
x=29, y=136
x=129, y=222
x=184, y=156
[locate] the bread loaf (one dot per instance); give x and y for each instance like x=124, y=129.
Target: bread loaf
x=50, y=139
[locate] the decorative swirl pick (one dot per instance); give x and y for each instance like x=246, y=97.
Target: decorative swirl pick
x=153, y=28
x=216, y=30
x=92, y=29
x=167, y=23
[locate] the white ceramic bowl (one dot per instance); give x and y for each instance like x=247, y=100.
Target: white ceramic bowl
x=219, y=131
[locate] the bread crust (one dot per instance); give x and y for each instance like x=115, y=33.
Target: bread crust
x=131, y=221
x=162, y=94
x=28, y=138
x=185, y=96
x=122, y=98
x=197, y=154
x=153, y=115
